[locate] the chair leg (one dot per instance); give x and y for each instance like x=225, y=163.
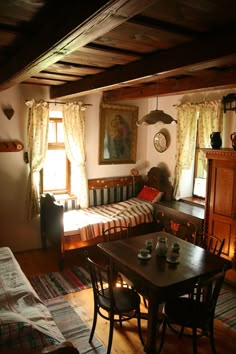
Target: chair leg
x=120, y=320
x=110, y=333
x=145, y=302
x=163, y=332
x=212, y=339
x=194, y=340
x=62, y=262
x=94, y=324
x=139, y=326
x=181, y=331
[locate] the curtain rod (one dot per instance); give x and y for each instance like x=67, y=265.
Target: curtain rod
x=54, y=102
x=201, y=102
x=61, y=102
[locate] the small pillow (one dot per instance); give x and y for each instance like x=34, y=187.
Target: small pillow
x=150, y=194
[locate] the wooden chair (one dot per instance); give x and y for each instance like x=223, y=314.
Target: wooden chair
x=195, y=313
x=115, y=304
x=214, y=244
x=116, y=233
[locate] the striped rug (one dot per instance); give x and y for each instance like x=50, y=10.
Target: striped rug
x=54, y=284
x=226, y=308
x=73, y=327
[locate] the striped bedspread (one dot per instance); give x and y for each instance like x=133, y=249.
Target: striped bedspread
x=90, y=222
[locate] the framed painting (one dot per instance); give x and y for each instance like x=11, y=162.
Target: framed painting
x=117, y=134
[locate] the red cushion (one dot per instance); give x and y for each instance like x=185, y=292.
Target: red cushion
x=150, y=194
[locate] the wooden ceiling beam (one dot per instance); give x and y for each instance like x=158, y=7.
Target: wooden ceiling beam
x=206, y=80
x=85, y=24
x=202, y=53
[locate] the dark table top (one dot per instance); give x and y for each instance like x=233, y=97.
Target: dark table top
x=156, y=273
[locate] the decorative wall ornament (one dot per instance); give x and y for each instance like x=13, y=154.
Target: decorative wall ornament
x=8, y=111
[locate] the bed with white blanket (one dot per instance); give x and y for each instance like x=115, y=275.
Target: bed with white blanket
x=119, y=201
x=25, y=323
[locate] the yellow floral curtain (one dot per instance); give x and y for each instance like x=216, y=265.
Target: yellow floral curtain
x=210, y=115
x=210, y=120
x=186, y=144
x=74, y=132
x=37, y=134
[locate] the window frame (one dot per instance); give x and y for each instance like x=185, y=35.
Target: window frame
x=57, y=146
x=196, y=161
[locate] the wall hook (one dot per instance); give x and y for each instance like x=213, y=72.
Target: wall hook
x=11, y=146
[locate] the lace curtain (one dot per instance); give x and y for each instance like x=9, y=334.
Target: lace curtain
x=37, y=134
x=74, y=132
x=210, y=115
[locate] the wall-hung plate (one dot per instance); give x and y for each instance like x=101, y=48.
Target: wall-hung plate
x=160, y=142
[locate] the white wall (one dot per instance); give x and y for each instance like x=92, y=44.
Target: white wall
x=19, y=234
x=15, y=232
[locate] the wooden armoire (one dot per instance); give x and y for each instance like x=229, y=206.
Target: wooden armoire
x=220, y=208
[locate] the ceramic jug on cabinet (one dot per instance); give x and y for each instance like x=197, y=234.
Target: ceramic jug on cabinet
x=216, y=141
x=233, y=139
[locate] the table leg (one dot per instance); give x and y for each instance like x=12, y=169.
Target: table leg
x=153, y=323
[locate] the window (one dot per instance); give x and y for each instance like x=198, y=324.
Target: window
x=55, y=175
x=200, y=171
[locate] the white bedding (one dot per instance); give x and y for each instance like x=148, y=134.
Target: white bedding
x=89, y=222
x=19, y=303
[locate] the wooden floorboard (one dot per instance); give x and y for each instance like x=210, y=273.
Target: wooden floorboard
x=125, y=340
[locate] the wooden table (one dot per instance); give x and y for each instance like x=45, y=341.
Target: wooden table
x=157, y=278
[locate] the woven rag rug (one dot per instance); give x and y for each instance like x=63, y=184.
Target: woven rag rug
x=226, y=308
x=54, y=284
x=73, y=327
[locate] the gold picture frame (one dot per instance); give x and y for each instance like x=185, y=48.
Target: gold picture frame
x=117, y=134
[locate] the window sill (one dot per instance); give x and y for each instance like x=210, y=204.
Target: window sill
x=59, y=197
x=194, y=201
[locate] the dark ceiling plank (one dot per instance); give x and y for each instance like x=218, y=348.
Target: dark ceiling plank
x=99, y=57
x=164, y=26
x=81, y=28
x=200, y=16
x=54, y=76
x=15, y=14
x=140, y=39
x=203, y=53
x=6, y=37
x=208, y=79
x=71, y=69
x=45, y=82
